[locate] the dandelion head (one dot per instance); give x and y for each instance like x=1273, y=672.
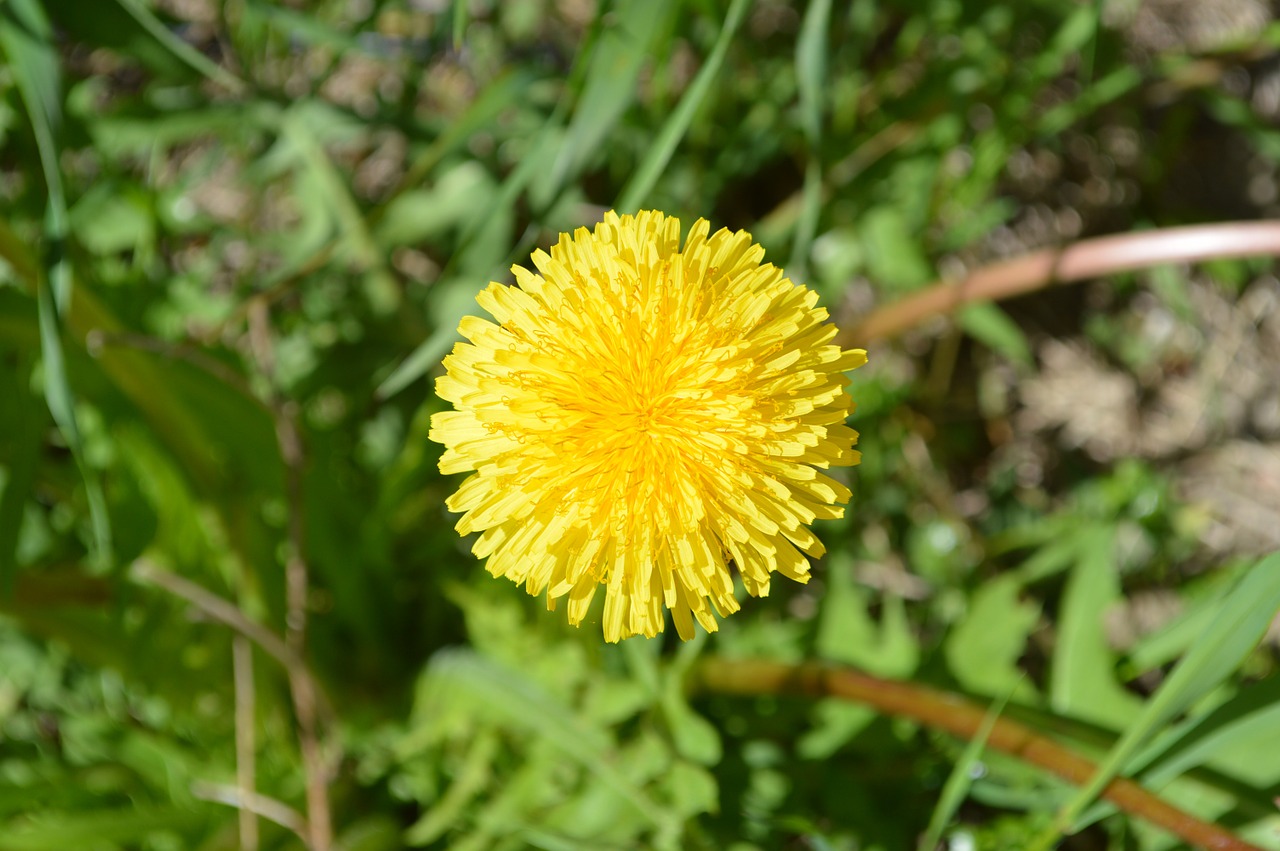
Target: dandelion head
x=643, y=419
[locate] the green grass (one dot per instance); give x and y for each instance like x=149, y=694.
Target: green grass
x=225, y=216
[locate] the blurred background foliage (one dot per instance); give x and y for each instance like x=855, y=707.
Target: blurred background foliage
x=229, y=220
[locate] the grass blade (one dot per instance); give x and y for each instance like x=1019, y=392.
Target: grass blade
x=26, y=37
x=461, y=12
x=1240, y=623
x=1082, y=683
x=23, y=424
x=187, y=54
x=501, y=94
x=478, y=252
x=659, y=153
x=990, y=325
x=61, y=401
x=616, y=63
x=811, y=67
x=807, y=224
x=960, y=779
x=1234, y=739
x=811, y=72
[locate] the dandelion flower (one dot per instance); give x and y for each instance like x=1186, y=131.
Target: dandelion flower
x=644, y=418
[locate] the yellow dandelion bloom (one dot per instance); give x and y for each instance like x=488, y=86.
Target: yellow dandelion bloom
x=643, y=418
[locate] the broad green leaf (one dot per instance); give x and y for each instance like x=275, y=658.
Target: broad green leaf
x=847, y=632
x=1262, y=832
x=1082, y=681
x=519, y=703
x=983, y=649
x=834, y=723
x=188, y=434
x=845, y=627
x=1057, y=553
x=500, y=816
x=695, y=738
x=424, y=214
x=471, y=778
x=693, y=789
x=114, y=217
x=73, y=616
x=181, y=532
x=894, y=257
x=124, y=134
x=990, y=325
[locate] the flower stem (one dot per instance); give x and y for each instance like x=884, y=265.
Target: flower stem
x=961, y=717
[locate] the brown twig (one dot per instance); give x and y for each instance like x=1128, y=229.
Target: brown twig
x=246, y=748
x=258, y=804
x=101, y=329
x=1089, y=258
x=297, y=588
x=961, y=717
x=216, y=607
x=229, y=614
x=308, y=701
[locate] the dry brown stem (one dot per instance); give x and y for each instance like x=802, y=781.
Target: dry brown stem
x=297, y=588
x=1089, y=258
x=246, y=747
x=302, y=684
x=255, y=803
x=961, y=717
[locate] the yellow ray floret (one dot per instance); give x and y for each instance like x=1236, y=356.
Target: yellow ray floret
x=641, y=417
